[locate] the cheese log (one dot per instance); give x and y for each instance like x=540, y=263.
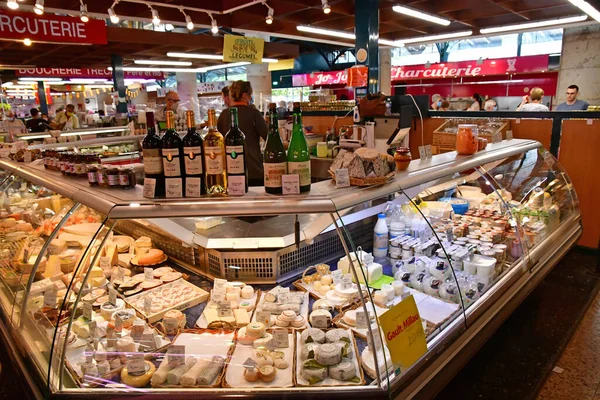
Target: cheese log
x=160, y=376
x=190, y=377
x=242, y=318
x=208, y=375
x=174, y=375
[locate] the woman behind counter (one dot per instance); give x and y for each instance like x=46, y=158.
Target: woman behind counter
x=253, y=125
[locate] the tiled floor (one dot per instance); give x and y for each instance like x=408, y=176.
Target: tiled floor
x=580, y=378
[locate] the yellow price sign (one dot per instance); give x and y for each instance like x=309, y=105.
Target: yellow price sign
x=404, y=333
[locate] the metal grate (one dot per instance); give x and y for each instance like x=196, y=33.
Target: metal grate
x=246, y=268
x=322, y=251
x=214, y=264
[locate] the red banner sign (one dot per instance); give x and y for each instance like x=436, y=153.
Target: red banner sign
x=51, y=28
x=499, y=66
x=85, y=73
x=321, y=78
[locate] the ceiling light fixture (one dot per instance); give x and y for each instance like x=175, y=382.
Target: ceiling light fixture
x=38, y=8
x=27, y=42
x=157, y=69
x=326, y=8
x=531, y=25
x=269, y=19
x=40, y=79
x=163, y=62
x=393, y=43
x=435, y=38
x=214, y=28
x=155, y=18
x=326, y=32
x=12, y=4
x=87, y=80
x=114, y=18
x=587, y=8
x=83, y=13
x=221, y=66
x=421, y=15
x=188, y=20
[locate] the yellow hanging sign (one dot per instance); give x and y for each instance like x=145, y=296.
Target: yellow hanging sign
x=287, y=63
x=243, y=48
x=404, y=332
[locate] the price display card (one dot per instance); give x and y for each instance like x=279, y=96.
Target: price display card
x=136, y=365
x=176, y=355
x=280, y=338
x=148, y=274
x=403, y=332
x=290, y=184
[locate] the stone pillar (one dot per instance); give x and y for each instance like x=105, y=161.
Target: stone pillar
x=260, y=78
x=580, y=64
x=385, y=71
x=187, y=89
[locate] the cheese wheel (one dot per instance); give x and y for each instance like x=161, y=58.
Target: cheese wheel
x=247, y=292
x=153, y=256
x=108, y=309
x=138, y=381
x=298, y=322
x=288, y=315
x=388, y=291
x=350, y=317
x=280, y=363
x=281, y=322
x=262, y=361
x=256, y=330
x=327, y=280
x=246, y=305
x=380, y=298
x=270, y=298
x=267, y=373
x=251, y=375
x=398, y=288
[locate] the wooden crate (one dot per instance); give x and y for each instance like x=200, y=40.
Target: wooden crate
x=447, y=140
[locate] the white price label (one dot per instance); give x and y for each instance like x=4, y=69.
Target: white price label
x=173, y=188
x=346, y=282
x=264, y=317
x=148, y=274
x=422, y=153
x=589, y=122
x=87, y=310
x=236, y=185
x=362, y=322
x=136, y=365
x=509, y=135
x=112, y=296
x=220, y=283
x=50, y=298
x=217, y=295
x=290, y=184
x=342, y=178
x=224, y=309
x=176, y=355
x=147, y=341
x=281, y=338
x=148, y=305
x=337, y=276
x=320, y=321
x=149, y=188
x=428, y=152
x=105, y=262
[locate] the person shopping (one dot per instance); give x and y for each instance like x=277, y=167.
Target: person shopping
x=477, y=104
x=253, y=125
x=533, y=102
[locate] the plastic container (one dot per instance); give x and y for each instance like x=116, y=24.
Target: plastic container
x=322, y=149
x=467, y=141
x=380, y=237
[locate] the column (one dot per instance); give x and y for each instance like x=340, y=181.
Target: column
x=385, y=71
x=42, y=97
x=260, y=78
x=187, y=89
x=366, y=28
x=580, y=64
x=116, y=63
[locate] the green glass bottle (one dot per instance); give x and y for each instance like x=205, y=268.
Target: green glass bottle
x=235, y=149
x=298, y=156
x=172, y=154
x=274, y=158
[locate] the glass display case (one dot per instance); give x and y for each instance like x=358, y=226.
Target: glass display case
x=103, y=291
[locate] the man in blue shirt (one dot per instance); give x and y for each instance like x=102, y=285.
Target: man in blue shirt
x=572, y=104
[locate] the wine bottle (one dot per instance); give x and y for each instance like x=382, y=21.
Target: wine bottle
x=154, y=181
x=298, y=156
x=235, y=148
x=274, y=158
x=192, y=156
x=172, y=155
x=215, y=176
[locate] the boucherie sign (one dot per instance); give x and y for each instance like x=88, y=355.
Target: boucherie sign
x=50, y=28
x=84, y=73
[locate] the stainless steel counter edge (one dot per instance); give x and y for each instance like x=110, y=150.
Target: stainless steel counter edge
x=323, y=198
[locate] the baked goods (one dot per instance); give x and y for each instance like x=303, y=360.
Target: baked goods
x=152, y=257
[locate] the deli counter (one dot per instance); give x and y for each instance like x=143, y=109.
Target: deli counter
x=105, y=293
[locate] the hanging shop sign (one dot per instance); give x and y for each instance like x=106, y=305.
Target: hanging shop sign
x=51, y=28
x=243, y=48
x=358, y=76
x=84, y=73
x=499, y=66
x=321, y=78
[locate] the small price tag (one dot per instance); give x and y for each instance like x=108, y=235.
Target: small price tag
x=264, y=317
x=50, y=298
x=148, y=274
x=320, y=321
x=220, y=284
x=346, y=282
x=217, y=295
x=173, y=188
x=337, y=276
x=118, y=323
x=121, y=274
x=449, y=235
x=428, y=152
x=93, y=325
x=87, y=310
x=149, y=188
x=290, y=184
x=589, y=122
x=509, y=135
x=136, y=364
x=147, y=341
x=362, y=321
x=95, y=343
x=112, y=296
x=236, y=185
x=283, y=297
x=225, y=309
x=148, y=305
x=111, y=340
x=176, y=355
x=250, y=363
x=27, y=156
x=518, y=120
x=342, y=178
x=105, y=262
x=281, y=338
x=422, y=153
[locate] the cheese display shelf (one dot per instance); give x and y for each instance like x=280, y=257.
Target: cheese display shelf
x=104, y=292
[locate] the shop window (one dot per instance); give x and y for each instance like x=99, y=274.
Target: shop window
x=215, y=76
x=542, y=42
x=415, y=55
x=237, y=74
x=290, y=94
x=346, y=57
x=487, y=47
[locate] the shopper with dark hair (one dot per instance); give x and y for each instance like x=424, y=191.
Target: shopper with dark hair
x=572, y=104
x=36, y=123
x=477, y=104
x=226, y=98
x=253, y=125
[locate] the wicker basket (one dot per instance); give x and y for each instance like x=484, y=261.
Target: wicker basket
x=364, y=182
x=447, y=140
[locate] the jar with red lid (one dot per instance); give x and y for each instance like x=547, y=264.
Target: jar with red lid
x=127, y=178
x=113, y=177
x=92, y=174
x=102, y=175
x=402, y=158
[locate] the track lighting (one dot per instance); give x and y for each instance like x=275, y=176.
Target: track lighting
x=83, y=13
x=269, y=19
x=188, y=22
x=155, y=18
x=12, y=4
x=215, y=28
x=27, y=42
x=326, y=8
x=39, y=7
x=114, y=18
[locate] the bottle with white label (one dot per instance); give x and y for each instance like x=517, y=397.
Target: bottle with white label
x=274, y=157
x=192, y=157
x=380, y=237
x=235, y=148
x=154, y=180
x=215, y=176
x=172, y=152
x=298, y=156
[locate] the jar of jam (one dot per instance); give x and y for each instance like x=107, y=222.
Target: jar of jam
x=402, y=158
x=127, y=177
x=467, y=141
x=102, y=175
x=81, y=166
x=113, y=177
x=92, y=174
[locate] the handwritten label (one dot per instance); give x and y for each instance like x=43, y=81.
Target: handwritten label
x=220, y=283
x=148, y=274
x=93, y=329
x=281, y=338
x=148, y=305
x=236, y=185
x=121, y=273
x=149, y=188
x=136, y=364
x=87, y=310
x=362, y=321
x=173, y=188
x=111, y=340
x=346, y=281
x=320, y=321
x=105, y=262
x=290, y=184
x=428, y=152
x=50, y=298
x=176, y=355
x=264, y=317
x=403, y=332
x=509, y=135
x=337, y=276
x=217, y=295
x=422, y=153
x=342, y=178
x=112, y=296
x=224, y=309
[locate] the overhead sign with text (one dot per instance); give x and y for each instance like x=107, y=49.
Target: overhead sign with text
x=85, y=73
x=243, y=49
x=50, y=28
